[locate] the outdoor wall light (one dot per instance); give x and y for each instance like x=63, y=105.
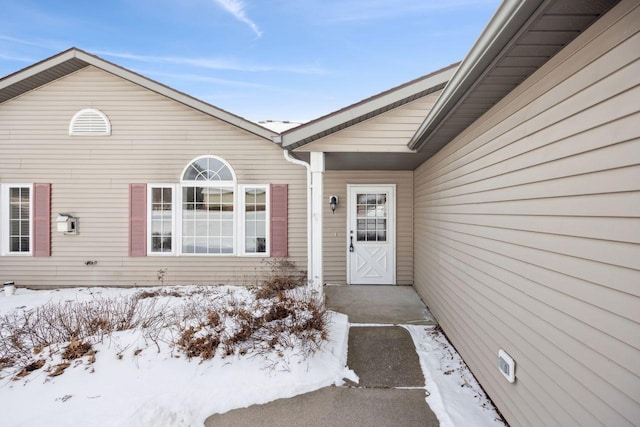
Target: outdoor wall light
x=333, y=202
x=67, y=224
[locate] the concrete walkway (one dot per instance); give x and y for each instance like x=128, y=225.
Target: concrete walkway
x=391, y=387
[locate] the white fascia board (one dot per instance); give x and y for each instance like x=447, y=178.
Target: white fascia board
x=37, y=68
x=141, y=81
x=177, y=96
x=504, y=24
x=303, y=132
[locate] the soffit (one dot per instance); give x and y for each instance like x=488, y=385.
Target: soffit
x=547, y=30
x=36, y=77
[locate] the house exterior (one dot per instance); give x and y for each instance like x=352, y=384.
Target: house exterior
x=505, y=189
x=135, y=162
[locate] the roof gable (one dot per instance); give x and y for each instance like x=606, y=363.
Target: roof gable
x=367, y=108
x=74, y=59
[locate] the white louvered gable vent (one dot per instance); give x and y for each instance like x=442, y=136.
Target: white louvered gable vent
x=89, y=121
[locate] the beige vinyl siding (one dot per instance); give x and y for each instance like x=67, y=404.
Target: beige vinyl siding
x=153, y=139
x=528, y=235
x=335, y=224
x=387, y=132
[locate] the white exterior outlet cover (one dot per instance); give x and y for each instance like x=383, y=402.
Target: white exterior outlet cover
x=507, y=365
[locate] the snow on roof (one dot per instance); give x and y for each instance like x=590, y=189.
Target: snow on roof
x=278, y=126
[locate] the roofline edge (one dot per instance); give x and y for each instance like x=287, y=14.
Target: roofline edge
x=510, y=14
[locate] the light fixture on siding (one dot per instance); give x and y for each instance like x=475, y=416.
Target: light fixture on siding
x=67, y=223
x=333, y=202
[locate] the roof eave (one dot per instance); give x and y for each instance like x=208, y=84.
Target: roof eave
x=140, y=80
x=501, y=29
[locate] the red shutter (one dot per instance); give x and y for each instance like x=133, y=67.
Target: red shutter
x=279, y=220
x=41, y=219
x=137, y=219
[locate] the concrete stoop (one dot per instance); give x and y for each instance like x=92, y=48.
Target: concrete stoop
x=393, y=305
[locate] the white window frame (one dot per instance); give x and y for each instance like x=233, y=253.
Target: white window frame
x=4, y=219
x=174, y=244
x=211, y=184
x=239, y=212
x=242, y=223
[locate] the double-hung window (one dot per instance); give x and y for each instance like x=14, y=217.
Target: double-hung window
x=161, y=219
x=254, y=219
x=16, y=214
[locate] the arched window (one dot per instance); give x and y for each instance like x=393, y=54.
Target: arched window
x=208, y=200
x=209, y=213
x=209, y=168
x=90, y=122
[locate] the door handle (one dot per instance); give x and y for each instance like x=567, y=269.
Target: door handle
x=351, y=249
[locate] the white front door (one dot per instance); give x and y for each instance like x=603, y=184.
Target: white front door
x=371, y=240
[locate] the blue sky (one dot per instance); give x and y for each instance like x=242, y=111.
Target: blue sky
x=261, y=59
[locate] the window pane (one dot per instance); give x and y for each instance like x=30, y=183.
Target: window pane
x=14, y=244
x=208, y=169
x=250, y=228
x=250, y=244
x=261, y=229
x=207, y=216
x=156, y=243
x=161, y=219
x=255, y=220
x=261, y=243
x=261, y=196
x=19, y=219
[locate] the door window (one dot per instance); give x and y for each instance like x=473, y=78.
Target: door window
x=371, y=213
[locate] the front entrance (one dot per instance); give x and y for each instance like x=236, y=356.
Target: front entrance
x=371, y=234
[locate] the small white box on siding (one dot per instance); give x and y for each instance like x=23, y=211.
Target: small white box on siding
x=507, y=365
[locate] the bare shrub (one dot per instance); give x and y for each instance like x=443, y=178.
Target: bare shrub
x=208, y=321
x=284, y=276
x=24, y=333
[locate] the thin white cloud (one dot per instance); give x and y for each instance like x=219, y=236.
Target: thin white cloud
x=237, y=9
x=45, y=45
x=210, y=63
x=9, y=57
x=205, y=79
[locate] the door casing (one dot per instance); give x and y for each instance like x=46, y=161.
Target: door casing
x=391, y=226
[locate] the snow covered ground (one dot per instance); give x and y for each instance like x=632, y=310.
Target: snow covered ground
x=137, y=383
x=453, y=394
